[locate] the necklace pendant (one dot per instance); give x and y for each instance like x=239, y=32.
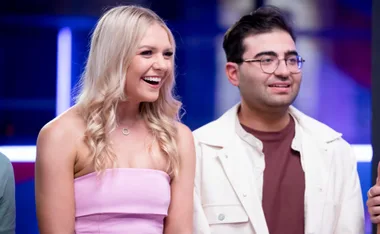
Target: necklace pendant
x=125, y=131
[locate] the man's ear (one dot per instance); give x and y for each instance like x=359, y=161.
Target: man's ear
x=232, y=73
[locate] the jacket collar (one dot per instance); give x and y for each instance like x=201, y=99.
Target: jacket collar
x=223, y=130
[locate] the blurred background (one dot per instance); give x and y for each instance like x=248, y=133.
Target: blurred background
x=44, y=44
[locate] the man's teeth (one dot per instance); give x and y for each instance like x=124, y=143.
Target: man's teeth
x=280, y=86
x=154, y=79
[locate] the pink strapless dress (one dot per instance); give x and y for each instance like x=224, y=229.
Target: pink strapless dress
x=123, y=200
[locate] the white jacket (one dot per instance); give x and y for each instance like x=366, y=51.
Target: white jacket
x=228, y=182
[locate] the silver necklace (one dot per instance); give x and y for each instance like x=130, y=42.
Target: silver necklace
x=125, y=131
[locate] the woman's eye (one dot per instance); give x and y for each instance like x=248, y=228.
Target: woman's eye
x=168, y=54
x=146, y=52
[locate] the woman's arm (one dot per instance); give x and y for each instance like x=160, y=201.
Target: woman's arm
x=54, y=179
x=180, y=217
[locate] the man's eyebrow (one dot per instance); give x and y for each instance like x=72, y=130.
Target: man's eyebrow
x=291, y=52
x=271, y=53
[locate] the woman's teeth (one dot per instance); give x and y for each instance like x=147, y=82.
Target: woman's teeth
x=152, y=80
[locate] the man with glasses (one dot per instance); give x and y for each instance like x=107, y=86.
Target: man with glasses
x=264, y=166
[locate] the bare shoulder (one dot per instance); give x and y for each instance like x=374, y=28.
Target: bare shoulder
x=184, y=135
x=61, y=134
x=185, y=141
x=183, y=129
x=65, y=126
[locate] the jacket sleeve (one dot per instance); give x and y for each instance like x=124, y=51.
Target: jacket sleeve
x=201, y=225
x=7, y=197
x=351, y=216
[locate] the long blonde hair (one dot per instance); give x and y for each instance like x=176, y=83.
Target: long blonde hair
x=113, y=45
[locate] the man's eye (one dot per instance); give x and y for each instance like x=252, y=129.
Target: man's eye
x=292, y=60
x=267, y=60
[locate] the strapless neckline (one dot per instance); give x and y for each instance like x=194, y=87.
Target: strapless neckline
x=126, y=169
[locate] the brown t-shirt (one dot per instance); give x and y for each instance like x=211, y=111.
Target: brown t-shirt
x=284, y=181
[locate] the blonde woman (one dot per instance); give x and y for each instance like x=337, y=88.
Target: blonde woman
x=119, y=160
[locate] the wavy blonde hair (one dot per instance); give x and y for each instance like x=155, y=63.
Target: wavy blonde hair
x=113, y=45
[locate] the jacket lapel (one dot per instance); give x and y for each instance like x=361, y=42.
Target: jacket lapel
x=314, y=138
x=237, y=166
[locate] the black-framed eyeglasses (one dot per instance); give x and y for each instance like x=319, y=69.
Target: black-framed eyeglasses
x=270, y=63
